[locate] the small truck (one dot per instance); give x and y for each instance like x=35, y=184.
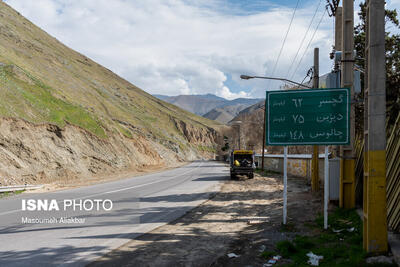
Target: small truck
x=242, y=163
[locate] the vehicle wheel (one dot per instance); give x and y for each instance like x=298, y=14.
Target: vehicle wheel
x=251, y=176
x=233, y=177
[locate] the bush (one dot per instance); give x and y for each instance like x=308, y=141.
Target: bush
x=286, y=248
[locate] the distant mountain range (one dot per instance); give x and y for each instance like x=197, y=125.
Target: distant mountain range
x=250, y=110
x=211, y=106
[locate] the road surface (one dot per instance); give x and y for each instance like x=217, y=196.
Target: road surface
x=75, y=238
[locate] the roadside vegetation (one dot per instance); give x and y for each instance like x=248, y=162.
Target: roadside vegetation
x=9, y=194
x=32, y=100
x=267, y=173
x=340, y=245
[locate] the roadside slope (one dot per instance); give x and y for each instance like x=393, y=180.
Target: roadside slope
x=63, y=115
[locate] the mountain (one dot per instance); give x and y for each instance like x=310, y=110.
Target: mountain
x=62, y=115
x=197, y=104
x=224, y=114
x=249, y=110
x=244, y=101
x=212, y=97
x=210, y=106
x=162, y=97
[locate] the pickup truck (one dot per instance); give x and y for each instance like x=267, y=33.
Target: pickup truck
x=242, y=163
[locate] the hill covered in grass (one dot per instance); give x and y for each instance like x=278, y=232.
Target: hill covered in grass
x=59, y=108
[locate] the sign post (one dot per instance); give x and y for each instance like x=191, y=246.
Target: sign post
x=308, y=117
x=285, y=149
x=326, y=188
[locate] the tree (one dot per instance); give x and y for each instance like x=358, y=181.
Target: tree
x=392, y=45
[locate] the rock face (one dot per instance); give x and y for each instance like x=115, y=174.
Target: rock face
x=204, y=136
x=31, y=153
x=64, y=116
x=224, y=114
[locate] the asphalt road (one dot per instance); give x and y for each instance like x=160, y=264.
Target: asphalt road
x=139, y=204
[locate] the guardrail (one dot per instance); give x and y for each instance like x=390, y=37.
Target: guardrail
x=13, y=188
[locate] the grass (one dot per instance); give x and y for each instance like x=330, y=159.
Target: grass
x=35, y=102
x=9, y=194
x=289, y=227
x=55, y=84
x=268, y=254
x=286, y=248
x=125, y=131
x=206, y=149
x=343, y=249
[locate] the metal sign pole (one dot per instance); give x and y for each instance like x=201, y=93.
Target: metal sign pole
x=326, y=188
x=308, y=117
x=285, y=149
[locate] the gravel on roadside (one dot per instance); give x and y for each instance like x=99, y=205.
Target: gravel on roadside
x=243, y=218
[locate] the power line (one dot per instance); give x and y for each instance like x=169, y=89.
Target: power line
x=284, y=40
x=308, y=45
x=304, y=38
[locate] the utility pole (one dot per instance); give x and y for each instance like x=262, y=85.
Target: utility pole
x=338, y=47
x=338, y=28
x=375, y=237
x=347, y=161
x=366, y=91
x=315, y=154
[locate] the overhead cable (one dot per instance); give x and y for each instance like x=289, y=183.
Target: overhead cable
x=284, y=40
x=308, y=45
x=304, y=38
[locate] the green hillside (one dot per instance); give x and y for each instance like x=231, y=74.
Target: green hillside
x=43, y=81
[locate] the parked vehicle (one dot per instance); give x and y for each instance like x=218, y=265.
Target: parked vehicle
x=242, y=163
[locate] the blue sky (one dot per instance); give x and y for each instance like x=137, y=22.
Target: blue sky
x=191, y=46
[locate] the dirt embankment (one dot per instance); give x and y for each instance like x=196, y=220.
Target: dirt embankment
x=196, y=135
x=45, y=153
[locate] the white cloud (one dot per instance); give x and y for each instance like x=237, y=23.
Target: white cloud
x=177, y=46
x=226, y=93
x=394, y=3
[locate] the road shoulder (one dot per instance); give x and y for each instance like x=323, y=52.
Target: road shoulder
x=101, y=179
x=225, y=223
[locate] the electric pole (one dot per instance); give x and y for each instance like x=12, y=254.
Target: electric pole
x=315, y=154
x=338, y=29
x=375, y=237
x=347, y=161
x=338, y=47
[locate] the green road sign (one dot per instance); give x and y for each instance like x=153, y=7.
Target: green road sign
x=308, y=117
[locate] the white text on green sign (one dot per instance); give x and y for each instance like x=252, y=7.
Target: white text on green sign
x=308, y=117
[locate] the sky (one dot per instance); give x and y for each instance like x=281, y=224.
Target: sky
x=174, y=47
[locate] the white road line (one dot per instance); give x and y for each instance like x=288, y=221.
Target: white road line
x=117, y=190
